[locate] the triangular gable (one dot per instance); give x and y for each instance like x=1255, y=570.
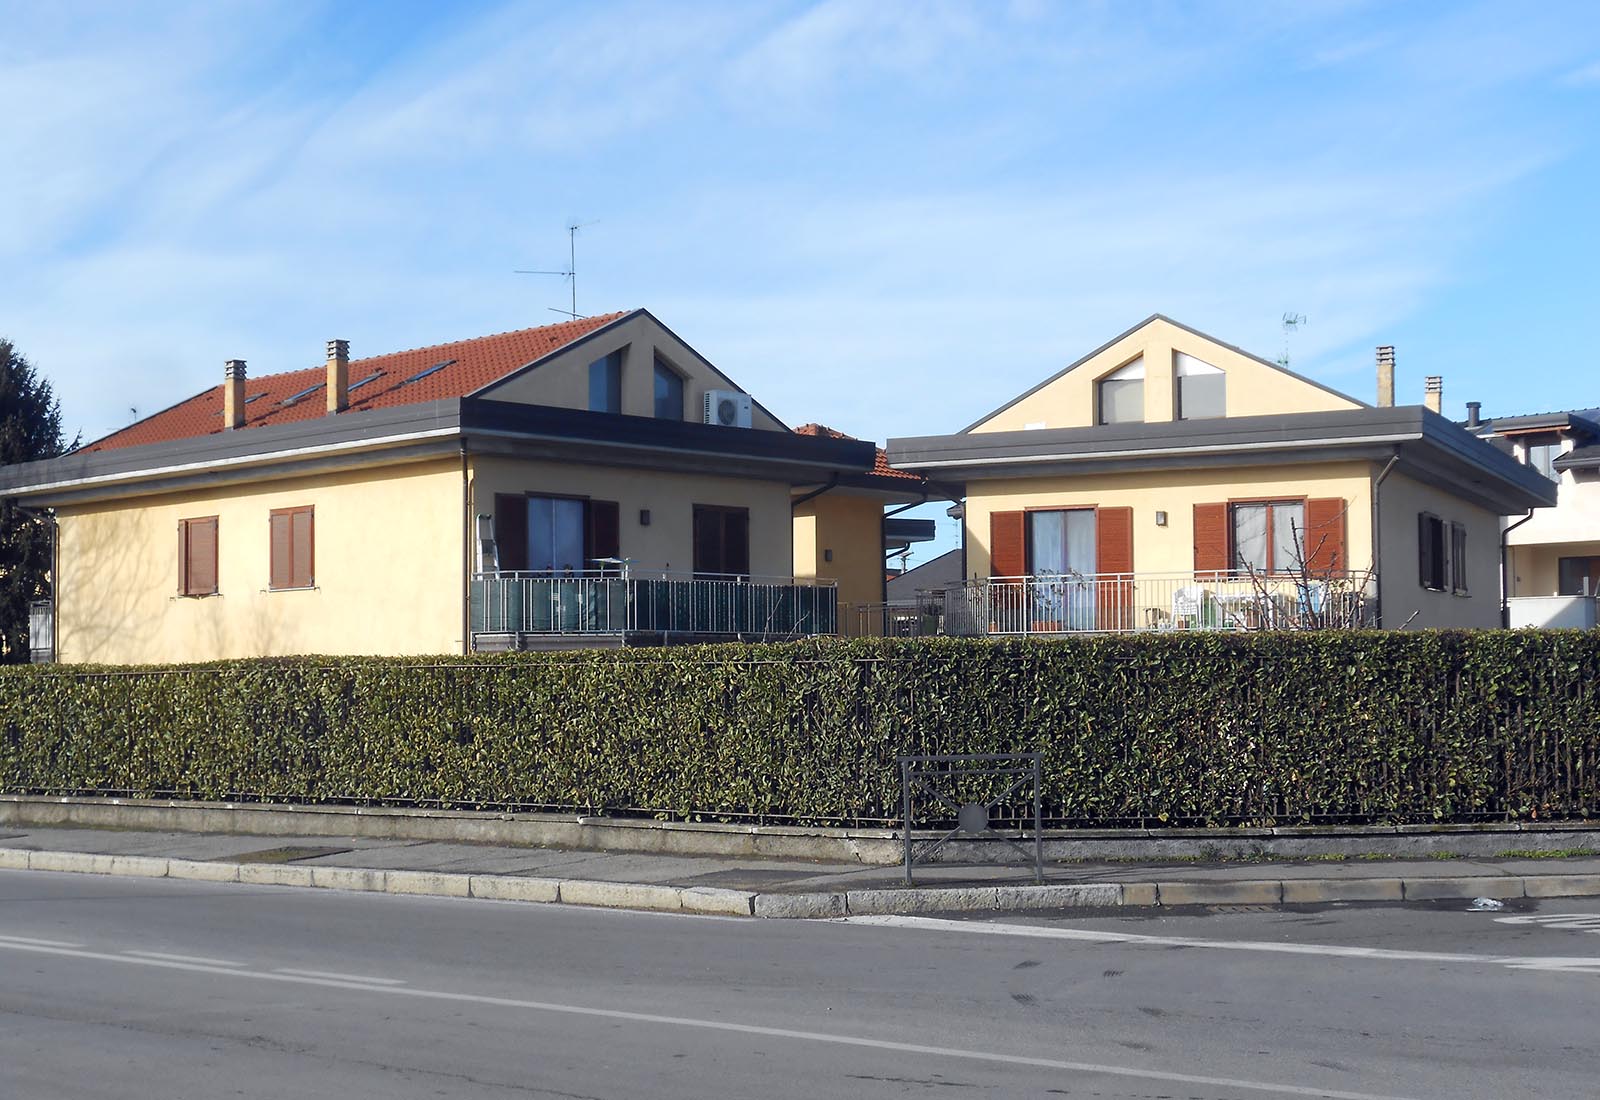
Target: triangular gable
x=1255, y=387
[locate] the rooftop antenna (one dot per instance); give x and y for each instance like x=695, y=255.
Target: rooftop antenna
x=1292, y=323
x=571, y=273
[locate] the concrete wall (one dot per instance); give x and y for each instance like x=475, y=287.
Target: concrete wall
x=389, y=560
x=1253, y=388
x=563, y=381
x=1402, y=500
x=851, y=526
x=1170, y=549
x=668, y=541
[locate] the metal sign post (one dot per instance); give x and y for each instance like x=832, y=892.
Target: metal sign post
x=922, y=774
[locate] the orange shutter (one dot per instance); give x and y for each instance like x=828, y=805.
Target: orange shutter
x=1008, y=544
x=301, y=538
x=1211, y=539
x=1325, y=536
x=202, y=557
x=1114, y=554
x=281, y=574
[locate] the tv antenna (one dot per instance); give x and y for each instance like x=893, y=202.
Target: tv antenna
x=571, y=273
x=1292, y=323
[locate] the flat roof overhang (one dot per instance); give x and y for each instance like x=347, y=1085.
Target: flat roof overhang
x=434, y=429
x=1429, y=448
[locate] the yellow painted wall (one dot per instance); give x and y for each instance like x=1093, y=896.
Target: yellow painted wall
x=668, y=542
x=1170, y=549
x=388, y=571
x=852, y=527
x=563, y=381
x=1252, y=389
x=1402, y=500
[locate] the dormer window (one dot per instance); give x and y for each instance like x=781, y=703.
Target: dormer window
x=1121, y=395
x=669, y=391
x=1202, y=389
x=1541, y=452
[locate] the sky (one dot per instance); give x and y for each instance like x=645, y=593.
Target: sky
x=887, y=217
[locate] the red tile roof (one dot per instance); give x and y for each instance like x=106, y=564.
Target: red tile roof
x=472, y=364
x=881, y=468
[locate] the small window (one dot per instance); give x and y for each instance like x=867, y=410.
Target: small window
x=1458, y=558
x=197, y=556
x=605, y=384
x=1578, y=576
x=721, y=541
x=1542, y=457
x=293, y=548
x=1441, y=554
x=1269, y=537
x=669, y=392
x=1120, y=395
x=1202, y=389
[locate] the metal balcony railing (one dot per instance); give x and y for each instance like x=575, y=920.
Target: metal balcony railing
x=605, y=602
x=1106, y=602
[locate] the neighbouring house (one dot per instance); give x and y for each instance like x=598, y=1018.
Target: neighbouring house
x=1167, y=480
x=841, y=530
x=593, y=482
x=1552, y=574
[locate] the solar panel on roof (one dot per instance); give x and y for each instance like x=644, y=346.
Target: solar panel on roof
x=368, y=378
x=424, y=373
x=307, y=392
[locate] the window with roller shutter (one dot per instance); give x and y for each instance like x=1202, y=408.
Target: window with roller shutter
x=293, y=548
x=197, y=556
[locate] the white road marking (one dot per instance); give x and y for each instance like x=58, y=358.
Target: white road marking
x=201, y=959
x=937, y=924
x=336, y=976
x=1571, y=922
x=990, y=1057
x=37, y=943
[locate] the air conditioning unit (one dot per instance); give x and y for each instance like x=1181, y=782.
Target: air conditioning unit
x=728, y=408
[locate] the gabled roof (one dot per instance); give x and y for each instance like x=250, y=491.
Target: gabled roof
x=1279, y=367
x=379, y=382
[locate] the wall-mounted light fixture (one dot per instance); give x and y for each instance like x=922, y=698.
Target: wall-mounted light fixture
x=644, y=517
x=827, y=555
x=1161, y=519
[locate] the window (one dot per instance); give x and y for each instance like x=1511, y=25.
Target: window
x=291, y=548
x=605, y=384
x=1269, y=537
x=1202, y=389
x=1542, y=457
x=1121, y=395
x=197, y=556
x=1062, y=542
x=721, y=540
x=1442, y=554
x=1578, y=576
x=555, y=535
x=551, y=534
x=669, y=392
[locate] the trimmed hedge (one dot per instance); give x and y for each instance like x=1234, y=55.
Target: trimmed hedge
x=1202, y=728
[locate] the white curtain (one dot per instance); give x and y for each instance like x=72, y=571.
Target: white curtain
x=1250, y=536
x=1288, y=537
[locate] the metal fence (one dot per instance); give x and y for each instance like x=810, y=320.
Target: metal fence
x=1105, y=602
x=42, y=631
x=605, y=603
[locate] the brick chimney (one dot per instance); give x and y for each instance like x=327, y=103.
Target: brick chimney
x=233, y=377
x=1433, y=395
x=338, y=376
x=1386, y=376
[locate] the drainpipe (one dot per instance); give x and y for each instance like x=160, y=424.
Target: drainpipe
x=1505, y=571
x=1377, y=539
x=466, y=553
x=833, y=481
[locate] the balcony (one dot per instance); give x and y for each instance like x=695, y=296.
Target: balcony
x=1120, y=602
x=567, y=610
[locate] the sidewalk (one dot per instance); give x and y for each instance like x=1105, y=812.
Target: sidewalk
x=770, y=887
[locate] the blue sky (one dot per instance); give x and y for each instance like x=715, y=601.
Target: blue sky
x=887, y=217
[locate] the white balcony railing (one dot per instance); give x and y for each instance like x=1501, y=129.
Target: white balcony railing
x=1107, y=602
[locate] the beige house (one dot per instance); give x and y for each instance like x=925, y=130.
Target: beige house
x=1167, y=480
x=1552, y=555
x=594, y=482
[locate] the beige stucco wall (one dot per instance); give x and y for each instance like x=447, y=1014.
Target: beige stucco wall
x=1170, y=549
x=668, y=542
x=1536, y=570
x=388, y=571
x=852, y=527
x=1575, y=518
x=1402, y=499
x=563, y=380
x=1253, y=388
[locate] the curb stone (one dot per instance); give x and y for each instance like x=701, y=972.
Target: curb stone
x=813, y=906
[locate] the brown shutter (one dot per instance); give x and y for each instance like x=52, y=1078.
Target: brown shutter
x=1325, y=536
x=511, y=531
x=1008, y=544
x=281, y=572
x=301, y=540
x=1113, y=553
x=1211, y=539
x=604, y=535
x=183, y=557
x=1425, y=556
x=202, y=556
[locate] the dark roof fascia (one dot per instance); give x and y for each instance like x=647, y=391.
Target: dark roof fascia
x=909, y=530
x=201, y=456
x=1580, y=458
x=1175, y=324
x=640, y=437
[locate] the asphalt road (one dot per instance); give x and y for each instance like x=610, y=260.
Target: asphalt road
x=113, y=987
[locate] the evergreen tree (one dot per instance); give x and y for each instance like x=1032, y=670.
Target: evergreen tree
x=30, y=429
